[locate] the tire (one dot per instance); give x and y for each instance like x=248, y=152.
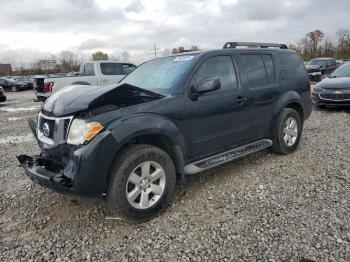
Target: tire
x=286, y=141
x=122, y=183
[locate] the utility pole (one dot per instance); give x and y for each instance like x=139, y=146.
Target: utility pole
x=154, y=49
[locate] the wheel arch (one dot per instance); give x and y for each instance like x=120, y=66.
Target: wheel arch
x=289, y=99
x=80, y=83
x=165, y=136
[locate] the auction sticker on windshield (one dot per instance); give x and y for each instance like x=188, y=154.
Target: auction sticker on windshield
x=183, y=58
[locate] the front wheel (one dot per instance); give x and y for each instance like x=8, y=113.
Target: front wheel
x=288, y=132
x=142, y=182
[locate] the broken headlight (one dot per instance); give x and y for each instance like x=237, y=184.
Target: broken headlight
x=81, y=132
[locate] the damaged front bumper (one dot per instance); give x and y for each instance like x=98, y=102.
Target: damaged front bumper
x=46, y=172
x=79, y=170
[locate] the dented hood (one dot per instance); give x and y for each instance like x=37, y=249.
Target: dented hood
x=77, y=98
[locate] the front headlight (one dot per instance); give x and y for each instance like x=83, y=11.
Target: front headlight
x=81, y=131
x=317, y=88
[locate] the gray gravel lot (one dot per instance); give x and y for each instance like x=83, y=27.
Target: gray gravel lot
x=262, y=207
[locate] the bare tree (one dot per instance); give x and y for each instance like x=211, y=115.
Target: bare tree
x=69, y=61
x=313, y=40
x=166, y=52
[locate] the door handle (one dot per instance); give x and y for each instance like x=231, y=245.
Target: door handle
x=241, y=100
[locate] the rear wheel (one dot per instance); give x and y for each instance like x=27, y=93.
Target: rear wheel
x=287, y=132
x=142, y=182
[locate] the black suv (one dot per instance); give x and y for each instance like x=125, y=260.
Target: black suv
x=319, y=67
x=130, y=142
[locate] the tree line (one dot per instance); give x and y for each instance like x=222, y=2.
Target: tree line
x=317, y=44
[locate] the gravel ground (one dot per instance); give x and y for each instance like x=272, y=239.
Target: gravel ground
x=262, y=207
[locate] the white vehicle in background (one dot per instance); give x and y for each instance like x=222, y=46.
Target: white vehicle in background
x=98, y=73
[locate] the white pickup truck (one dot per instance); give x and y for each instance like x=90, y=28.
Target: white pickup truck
x=100, y=73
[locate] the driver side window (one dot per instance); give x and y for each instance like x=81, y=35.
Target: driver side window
x=220, y=67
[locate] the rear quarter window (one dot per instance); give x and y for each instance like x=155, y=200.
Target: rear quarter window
x=292, y=65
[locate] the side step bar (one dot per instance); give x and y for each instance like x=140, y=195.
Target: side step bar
x=227, y=156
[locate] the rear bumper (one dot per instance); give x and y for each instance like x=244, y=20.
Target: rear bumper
x=42, y=96
x=80, y=170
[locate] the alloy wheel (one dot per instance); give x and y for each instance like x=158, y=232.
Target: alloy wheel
x=145, y=185
x=290, y=131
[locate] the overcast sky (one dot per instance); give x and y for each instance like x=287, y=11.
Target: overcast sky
x=34, y=29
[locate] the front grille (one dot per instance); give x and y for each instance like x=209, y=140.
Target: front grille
x=338, y=97
x=65, y=128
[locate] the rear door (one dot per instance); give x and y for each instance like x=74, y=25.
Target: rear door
x=216, y=120
x=113, y=72
x=259, y=78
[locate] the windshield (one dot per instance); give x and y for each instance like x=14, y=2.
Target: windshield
x=316, y=62
x=342, y=71
x=161, y=75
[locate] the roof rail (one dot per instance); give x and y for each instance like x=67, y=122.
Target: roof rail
x=252, y=44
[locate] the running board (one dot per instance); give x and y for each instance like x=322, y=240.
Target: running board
x=227, y=156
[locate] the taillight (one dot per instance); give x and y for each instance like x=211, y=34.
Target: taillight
x=309, y=87
x=48, y=87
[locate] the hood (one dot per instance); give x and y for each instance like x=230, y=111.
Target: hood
x=313, y=67
x=335, y=83
x=74, y=99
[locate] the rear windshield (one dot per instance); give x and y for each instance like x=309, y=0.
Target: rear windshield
x=316, y=62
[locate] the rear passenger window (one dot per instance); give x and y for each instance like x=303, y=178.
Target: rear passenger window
x=111, y=69
x=253, y=67
x=127, y=68
x=292, y=65
x=270, y=69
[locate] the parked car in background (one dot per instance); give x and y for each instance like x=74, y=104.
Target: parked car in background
x=22, y=83
x=2, y=94
x=130, y=142
x=98, y=73
x=320, y=66
x=8, y=84
x=333, y=90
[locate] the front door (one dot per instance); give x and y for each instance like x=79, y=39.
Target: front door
x=216, y=120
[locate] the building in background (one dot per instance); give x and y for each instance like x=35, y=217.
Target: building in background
x=5, y=69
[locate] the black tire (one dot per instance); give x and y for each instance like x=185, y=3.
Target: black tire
x=279, y=144
x=126, y=161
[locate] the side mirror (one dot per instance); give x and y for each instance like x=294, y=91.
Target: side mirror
x=206, y=85
x=324, y=76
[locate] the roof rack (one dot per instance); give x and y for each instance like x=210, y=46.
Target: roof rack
x=252, y=44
